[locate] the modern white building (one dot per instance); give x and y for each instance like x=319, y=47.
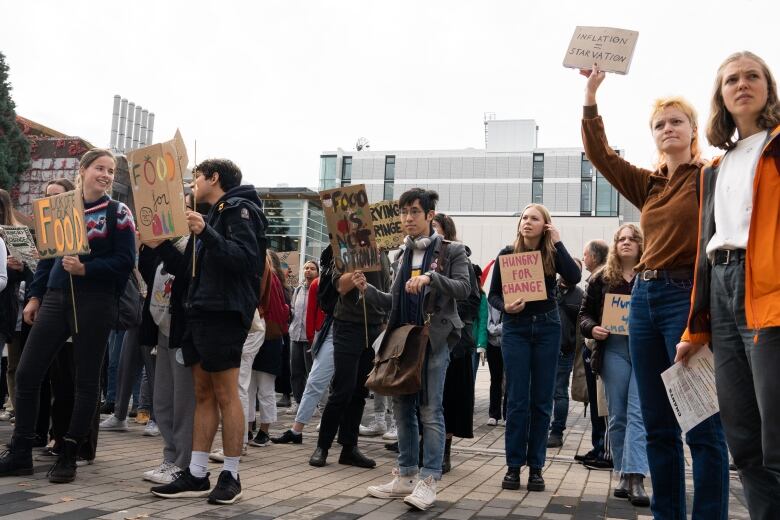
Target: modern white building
x=485, y=190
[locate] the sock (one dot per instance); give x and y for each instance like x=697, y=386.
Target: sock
x=295, y=433
x=231, y=465
x=199, y=463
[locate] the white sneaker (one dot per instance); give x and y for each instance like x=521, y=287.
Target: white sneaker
x=112, y=424
x=318, y=426
x=492, y=422
x=392, y=434
x=373, y=429
x=217, y=455
x=6, y=415
x=151, y=429
x=292, y=410
x=163, y=474
x=424, y=494
x=80, y=462
x=397, y=488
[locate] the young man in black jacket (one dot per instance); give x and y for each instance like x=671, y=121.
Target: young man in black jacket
x=221, y=300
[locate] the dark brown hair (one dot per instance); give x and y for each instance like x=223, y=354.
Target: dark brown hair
x=65, y=183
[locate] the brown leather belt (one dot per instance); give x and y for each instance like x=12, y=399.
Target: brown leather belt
x=728, y=256
x=665, y=274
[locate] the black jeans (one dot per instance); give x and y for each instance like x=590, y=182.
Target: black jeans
x=748, y=390
x=53, y=326
x=133, y=358
x=496, y=366
x=300, y=365
x=598, y=424
x=352, y=362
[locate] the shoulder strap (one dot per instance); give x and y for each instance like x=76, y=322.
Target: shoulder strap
x=111, y=211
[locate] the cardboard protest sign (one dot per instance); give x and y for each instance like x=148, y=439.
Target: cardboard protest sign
x=291, y=261
x=386, y=216
x=522, y=276
x=156, y=173
x=350, y=229
x=21, y=244
x=614, y=317
x=611, y=49
x=60, y=228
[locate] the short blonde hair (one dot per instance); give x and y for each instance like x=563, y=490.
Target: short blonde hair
x=686, y=108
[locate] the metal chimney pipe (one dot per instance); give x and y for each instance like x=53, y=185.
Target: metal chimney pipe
x=137, y=126
x=129, y=127
x=150, y=129
x=144, y=120
x=114, y=121
x=120, y=137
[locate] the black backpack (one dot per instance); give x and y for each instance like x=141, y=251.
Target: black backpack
x=327, y=294
x=131, y=301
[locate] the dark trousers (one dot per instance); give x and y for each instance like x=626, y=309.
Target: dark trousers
x=53, y=326
x=598, y=425
x=352, y=362
x=133, y=358
x=496, y=366
x=282, y=383
x=300, y=365
x=748, y=390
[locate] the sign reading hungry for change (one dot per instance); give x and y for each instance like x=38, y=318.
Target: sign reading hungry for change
x=522, y=276
x=21, y=244
x=156, y=173
x=614, y=318
x=350, y=229
x=59, y=225
x=387, y=224
x=611, y=49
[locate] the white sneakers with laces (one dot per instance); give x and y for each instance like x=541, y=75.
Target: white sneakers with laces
x=399, y=487
x=424, y=494
x=162, y=474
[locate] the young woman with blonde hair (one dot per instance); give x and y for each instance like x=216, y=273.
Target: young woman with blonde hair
x=668, y=197
x=530, y=346
x=736, y=298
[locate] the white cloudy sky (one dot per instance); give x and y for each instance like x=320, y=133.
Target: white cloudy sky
x=271, y=84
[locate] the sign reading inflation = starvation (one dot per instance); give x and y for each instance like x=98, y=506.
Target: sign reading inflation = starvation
x=522, y=276
x=60, y=229
x=609, y=48
x=351, y=229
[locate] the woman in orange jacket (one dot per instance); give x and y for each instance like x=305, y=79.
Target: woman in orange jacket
x=736, y=299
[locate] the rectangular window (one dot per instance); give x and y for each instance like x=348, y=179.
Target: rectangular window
x=538, y=166
x=328, y=172
x=586, y=188
x=606, y=198
x=390, y=168
x=346, y=171
x=586, y=168
x=388, y=193
x=537, y=192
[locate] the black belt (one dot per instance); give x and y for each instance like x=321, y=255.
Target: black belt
x=665, y=274
x=728, y=256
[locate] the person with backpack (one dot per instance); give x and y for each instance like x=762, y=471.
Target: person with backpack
x=229, y=260
x=94, y=281
x=495, y=361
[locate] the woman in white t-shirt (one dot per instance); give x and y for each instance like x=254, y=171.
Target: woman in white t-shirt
x=736, y=299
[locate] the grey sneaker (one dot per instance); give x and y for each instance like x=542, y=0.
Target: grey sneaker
x=112, y=424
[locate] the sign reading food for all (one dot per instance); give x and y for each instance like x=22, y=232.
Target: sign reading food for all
x=351, y=229
x=386, y=216
x=156, y=173
x=522, y=276
x=609, y=48
x=60, y=228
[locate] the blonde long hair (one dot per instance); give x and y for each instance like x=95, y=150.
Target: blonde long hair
x=546, y=246
x=612, y=273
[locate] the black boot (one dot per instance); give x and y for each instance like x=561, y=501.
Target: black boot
x=319, y=458
x=446, y=466
x=351, y=456
x=636, y=490
x=17, y=459
x=535, y=480
x=512, y=478
x=621, y=491
x=64, y=470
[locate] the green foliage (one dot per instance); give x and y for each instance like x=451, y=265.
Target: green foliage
x=14, y=147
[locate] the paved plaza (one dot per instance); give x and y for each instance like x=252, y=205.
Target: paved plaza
x=278, y=482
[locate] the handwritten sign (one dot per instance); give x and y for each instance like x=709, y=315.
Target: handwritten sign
x=614, y=317
x=158, y=192
x=59, y=225
x=21, y=244
x=611, y=49
x=522, y=276
x=386, y=216
x=291, y=261
x=351, y=229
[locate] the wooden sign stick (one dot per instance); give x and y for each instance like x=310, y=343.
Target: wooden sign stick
x=73, y=300
x=194, y=205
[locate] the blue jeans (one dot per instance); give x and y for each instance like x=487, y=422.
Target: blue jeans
x=627, y=437
x=561, y=396
x=115, y=340
x=659, y=311
x=530, y=346
x=429, y=400
x=320, y=375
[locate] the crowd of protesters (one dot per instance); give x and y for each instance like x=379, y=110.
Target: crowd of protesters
x=220, y=331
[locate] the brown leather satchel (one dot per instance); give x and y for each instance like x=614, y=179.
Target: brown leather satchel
x=399, y=362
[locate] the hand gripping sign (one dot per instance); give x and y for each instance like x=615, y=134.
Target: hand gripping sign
x=522, y=276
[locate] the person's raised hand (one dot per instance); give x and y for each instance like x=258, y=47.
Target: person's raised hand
x=595, y=79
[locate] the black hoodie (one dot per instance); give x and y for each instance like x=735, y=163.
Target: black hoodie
x=230, y=257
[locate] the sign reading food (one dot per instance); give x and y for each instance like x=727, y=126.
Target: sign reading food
x=351, y=229
x=60, y=228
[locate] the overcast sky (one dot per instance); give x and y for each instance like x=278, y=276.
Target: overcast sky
x=271, y=84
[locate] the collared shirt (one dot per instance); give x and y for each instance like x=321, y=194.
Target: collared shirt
x=298, y=325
